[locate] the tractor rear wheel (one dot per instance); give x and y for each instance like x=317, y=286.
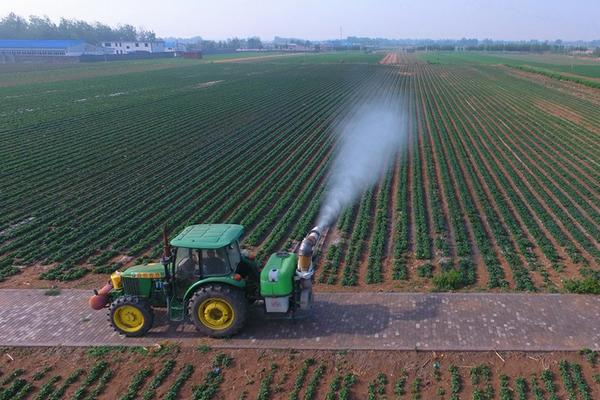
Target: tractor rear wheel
x=131, y=316
x=218, y=310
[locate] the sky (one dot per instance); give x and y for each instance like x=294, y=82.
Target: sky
x=317, y=20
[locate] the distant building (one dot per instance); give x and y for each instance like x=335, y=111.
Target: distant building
x=134, y=47
x=175, y=47
x=72, y=48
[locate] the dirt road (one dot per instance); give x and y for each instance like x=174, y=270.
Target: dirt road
x=378, y=321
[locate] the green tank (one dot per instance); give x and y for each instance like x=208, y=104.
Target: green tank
x=277, y=277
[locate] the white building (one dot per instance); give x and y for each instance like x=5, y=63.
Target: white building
x=71, y=48
x=134, y=47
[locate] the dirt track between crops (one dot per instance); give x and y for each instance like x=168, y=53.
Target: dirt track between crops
x=373, y=321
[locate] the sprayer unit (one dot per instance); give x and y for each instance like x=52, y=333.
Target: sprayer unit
x=205, y=278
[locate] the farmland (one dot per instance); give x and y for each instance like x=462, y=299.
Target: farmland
x=497, y=187
x=171, y=372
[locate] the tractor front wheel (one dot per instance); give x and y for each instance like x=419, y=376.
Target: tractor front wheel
x=131, y=316
x=218, y=310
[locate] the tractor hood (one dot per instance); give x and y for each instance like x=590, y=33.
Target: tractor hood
x=153, y=270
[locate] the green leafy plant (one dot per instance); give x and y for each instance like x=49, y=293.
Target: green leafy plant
x=264, y=392
x=136, y=384
x=72, y=378
x=521, y=388
x=311, y=389
x=400, y=386
x=101, y=385
x=183, y=376
x=158, y=379
x=47, y=388
x=347, y=383
x=213, y=379
x=548, y=379
x=294, y=395
x=416, y=389
x=334, y=386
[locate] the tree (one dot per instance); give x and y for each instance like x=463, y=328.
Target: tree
x=15, y=27
x=254, y=43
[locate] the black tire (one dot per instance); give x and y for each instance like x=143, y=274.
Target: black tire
x=138, y=328
x=235, y=299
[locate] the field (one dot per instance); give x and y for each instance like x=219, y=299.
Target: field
x=496, y=189
x=169, y=372
x=583, y=70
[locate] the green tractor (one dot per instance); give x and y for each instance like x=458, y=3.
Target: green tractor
x=205, y=277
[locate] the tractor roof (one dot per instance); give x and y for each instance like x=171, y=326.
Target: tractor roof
x=208, y=236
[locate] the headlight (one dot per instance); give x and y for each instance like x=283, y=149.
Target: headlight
x=115, y=278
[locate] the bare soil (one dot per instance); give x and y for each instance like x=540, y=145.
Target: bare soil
x=249, y=367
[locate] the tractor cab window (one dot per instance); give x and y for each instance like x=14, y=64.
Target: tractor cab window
x=187, y=264
x=215, y=262
x=233, y=251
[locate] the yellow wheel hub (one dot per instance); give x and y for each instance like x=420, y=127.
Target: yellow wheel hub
x=128, y=318
x=216, y=314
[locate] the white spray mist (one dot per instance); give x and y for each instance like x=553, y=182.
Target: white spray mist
x=369, y=140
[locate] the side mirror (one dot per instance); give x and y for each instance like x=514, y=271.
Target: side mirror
x=248, y=255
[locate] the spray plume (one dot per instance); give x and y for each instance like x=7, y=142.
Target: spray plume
x=369, y=140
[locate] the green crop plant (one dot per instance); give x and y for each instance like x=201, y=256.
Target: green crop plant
x=47, y=388
x=12, y=376
x=184, y=374
x=400, y=385
x=425, y=271
x=415, y=389
x=548, y=379
x=348, y=381
x=136, y=384
x=334, y=387
x=590, y=355
x=158, y=379
x=14, y=389
x=72, y=378
x=264, y=391
x=101, y=385
x=313, y=384
x=203, y=348
x=582, y=386
x=378, y=239
x=455, y=382
x=537, y=391
x=91, y=377
x=521, y=388
x=39, y=375
x=213, y=379
x=294, y=395
x=505, y=390
x=569, y=385
x=376, y=389
x=480, y=373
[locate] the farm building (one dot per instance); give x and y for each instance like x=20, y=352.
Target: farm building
x=134, y=47
x=175, y=47
x=47, y=48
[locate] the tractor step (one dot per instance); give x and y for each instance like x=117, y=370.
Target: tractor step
x=176, y=310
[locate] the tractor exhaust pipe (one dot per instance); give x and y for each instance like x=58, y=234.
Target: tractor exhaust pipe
x=305, y=252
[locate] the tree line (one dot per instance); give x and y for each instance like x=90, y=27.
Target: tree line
x=232, y=43
x=16, y=27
